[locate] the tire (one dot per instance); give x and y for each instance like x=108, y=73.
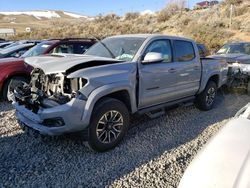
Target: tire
x=105, y=135
x=205, y=100
x=7, y=89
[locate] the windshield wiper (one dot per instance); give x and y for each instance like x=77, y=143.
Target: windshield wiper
x=105, y=46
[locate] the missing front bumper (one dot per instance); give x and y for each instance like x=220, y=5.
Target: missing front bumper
x=70, y=115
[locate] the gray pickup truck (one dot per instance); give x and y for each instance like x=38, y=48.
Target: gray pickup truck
x=119, y=76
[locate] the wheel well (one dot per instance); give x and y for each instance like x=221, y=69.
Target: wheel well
x=122, y=96
x=215, y=79
x=12, y=76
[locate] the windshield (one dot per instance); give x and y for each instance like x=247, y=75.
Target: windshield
x=239, y=48
x=123, y=48
x=37, y=50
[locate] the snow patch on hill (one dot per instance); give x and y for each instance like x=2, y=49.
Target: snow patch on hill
x=73, y=15
x=36, y=14
x=145, y=12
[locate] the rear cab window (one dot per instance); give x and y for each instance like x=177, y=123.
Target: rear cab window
x=183, y=51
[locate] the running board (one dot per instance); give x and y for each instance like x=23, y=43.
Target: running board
x=156, y=113
x=165, y=105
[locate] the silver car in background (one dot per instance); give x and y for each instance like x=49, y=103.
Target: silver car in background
x=225, y=160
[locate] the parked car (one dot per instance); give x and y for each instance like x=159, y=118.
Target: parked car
x=118, y=76
x=4, y=44
x=16, y=43
x=225, y=160
x=238, y=57
x=240, y=48
x=14, y=70
x=15, y=51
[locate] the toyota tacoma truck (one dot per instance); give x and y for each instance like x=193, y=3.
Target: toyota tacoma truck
x=117, y=77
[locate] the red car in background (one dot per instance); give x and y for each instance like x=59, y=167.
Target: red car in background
x=14, y=70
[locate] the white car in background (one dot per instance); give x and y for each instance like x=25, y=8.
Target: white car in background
x=225, y=161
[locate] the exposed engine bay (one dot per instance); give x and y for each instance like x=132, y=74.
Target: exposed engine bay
x=239, y=76
x=47, y=91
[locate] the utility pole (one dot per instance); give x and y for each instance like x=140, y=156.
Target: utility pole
x=231, y=15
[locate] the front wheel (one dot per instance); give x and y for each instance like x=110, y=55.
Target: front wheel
x=205, y=100
x=10, y=85
x=109, y=124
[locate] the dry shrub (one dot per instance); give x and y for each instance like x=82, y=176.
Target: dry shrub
x=212, y=37
x=235, y=2
x=171, y=9
x=132, y=15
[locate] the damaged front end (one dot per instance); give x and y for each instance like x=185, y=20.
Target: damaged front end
x=51, y=104
x=239, y=76
x=47, y=91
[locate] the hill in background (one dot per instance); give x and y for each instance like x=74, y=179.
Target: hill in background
x=210, y=26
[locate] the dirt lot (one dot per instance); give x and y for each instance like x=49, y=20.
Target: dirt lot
x=154, y=153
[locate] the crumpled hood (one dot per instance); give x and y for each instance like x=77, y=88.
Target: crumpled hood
x=231, y=58
x=51, y=64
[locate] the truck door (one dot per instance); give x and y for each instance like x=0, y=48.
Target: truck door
x=188, y=67
x=170, y=79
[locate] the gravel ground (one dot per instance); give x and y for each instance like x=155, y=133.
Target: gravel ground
x=155, y=152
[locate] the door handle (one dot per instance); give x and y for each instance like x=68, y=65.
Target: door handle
x=197, y=67
x=172, y=70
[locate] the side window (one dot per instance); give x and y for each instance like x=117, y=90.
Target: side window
x=183, y=50
x=63, y=48
x=163, y=47
x=80, y=48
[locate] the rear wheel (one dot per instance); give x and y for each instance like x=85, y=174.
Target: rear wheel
x=10, y=85
x=109, y=124
x=205, y=100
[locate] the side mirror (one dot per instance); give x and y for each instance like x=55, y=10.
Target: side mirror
x=152, y=57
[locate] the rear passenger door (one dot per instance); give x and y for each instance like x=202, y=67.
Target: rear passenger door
x=188, y=68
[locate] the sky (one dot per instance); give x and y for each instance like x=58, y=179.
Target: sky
x=87, y=7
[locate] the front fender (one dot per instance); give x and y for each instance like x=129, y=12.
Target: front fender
x=104, y=91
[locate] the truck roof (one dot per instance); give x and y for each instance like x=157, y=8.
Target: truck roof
x=151, y=36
